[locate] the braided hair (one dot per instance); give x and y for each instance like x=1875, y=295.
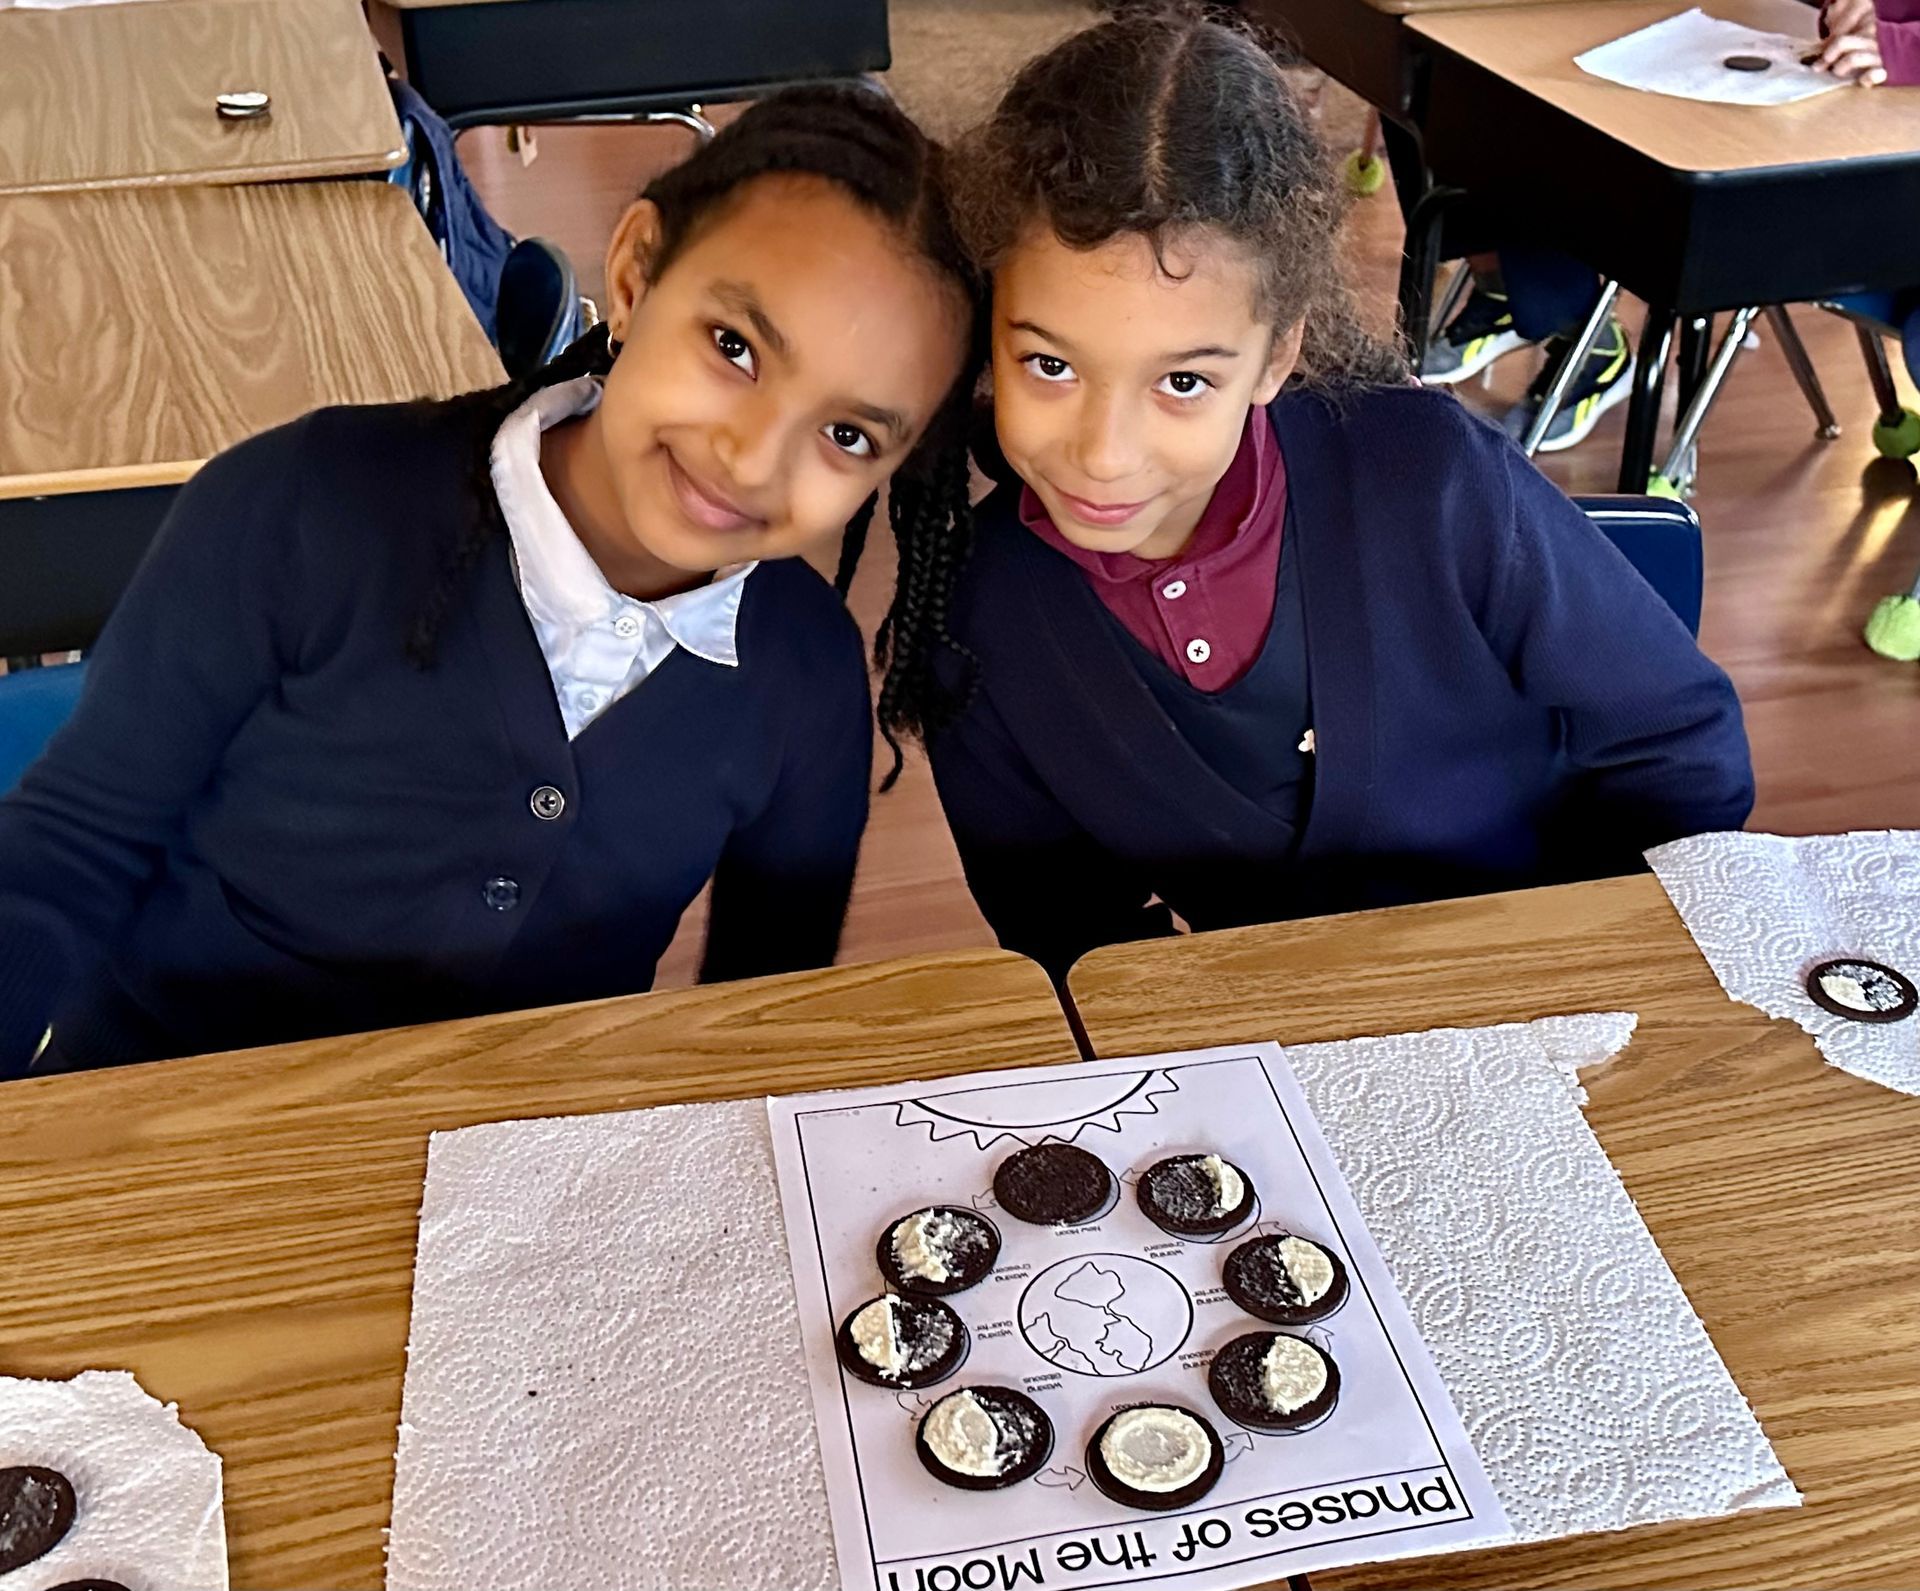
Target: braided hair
x=859, y=140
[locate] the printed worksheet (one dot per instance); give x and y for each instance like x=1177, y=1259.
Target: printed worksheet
x=1110, y=1324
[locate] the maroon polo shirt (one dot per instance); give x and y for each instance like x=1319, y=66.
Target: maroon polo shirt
x=1206, y=612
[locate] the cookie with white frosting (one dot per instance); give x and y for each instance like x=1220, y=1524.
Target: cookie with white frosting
x=1155, y=1455
x=1269, y=1381
x=1195, y=1195
x=1055, y=1185
x=983, y=1438
x=902, y=1343
x=939, y=1250
x=1862, y=990
x=1289, y=1280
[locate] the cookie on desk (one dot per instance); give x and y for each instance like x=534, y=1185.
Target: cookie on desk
x=1155, y=1456
x=902, y=1343
x=1289, y=1280
x=1055, y=1185
x=981, y=1439
x=1195, y=1195
x=940, y=1250
x=1269, y=1381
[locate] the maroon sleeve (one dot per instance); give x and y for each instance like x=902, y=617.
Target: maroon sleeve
x=1900, y=50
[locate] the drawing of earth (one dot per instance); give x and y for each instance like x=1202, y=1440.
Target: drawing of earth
x=1105, y=1315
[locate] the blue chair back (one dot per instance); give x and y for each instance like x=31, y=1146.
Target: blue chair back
x=1661, y=538
x=538, y=312
x=33, y=704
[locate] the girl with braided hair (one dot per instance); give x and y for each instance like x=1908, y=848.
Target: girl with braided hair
x=421, y=710
x=1255, y=627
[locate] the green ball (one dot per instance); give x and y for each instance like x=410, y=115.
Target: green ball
x=1901, y=440
x=1894, y=629
x=1366, y=174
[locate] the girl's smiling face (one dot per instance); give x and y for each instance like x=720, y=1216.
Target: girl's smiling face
x=1121, y=389
x=771, y=378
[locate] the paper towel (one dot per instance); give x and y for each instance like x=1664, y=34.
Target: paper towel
x=604, y=1384
x=1685, y=56
x=1765, y=910
x=146, y=1489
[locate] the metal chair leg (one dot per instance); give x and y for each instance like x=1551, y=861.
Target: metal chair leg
x=1880, y=373
x=1827, y=425
x=1457, y=286
x=1576, y=356
x=1695, y=417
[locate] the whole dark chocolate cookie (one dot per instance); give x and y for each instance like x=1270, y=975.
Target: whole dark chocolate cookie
x=36, y=1512
x=1195, y=1195
x=88, y=1585
x=940, y=1250
x=1270, y=1381
x=1291, y=1281
x=1862, y=990
x=902, y=1343
x=1746, y=63
x=981, y=1439
x=1055, y=1185
x=1156, y=1455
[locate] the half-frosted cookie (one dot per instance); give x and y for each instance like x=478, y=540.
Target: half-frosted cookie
x=1155, y=1455
x=1291, y=1281
x=1272, y=1382
x=1055, y=1185
x=983, y=1438
x=902, y=1343
x=1195, y=1195
x=939, y=1250
x=36, y=1512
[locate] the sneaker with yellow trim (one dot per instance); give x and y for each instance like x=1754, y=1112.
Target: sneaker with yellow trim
x=1605, y=382
x=1481, y=333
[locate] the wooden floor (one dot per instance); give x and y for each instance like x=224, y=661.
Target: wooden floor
x=1802, y=536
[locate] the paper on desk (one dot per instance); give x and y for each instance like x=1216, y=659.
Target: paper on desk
x=1765, y=910
x=606, y=1387
x=1091, y=1318
x=147, y=1492
x=1685, y=56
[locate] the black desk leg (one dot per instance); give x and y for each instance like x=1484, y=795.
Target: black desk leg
x=1643, y=414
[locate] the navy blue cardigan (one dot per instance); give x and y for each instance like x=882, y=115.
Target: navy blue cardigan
x=263, y=822
x=1498, y=699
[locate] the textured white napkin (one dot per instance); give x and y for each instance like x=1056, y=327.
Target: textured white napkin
x=605, y=1385
x=1685, y=56
x=147, y=1504
x=1765, y=909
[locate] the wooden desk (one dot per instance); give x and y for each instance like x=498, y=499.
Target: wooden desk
x=147, y=330
x=1779, y=1189
x=239, y=1230
x=123, y=95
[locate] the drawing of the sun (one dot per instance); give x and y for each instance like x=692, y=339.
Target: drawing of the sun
x=1060, y=1109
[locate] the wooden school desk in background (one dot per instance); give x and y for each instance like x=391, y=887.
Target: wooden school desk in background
x=239, y=1230
x=1693, y=207
x=1779, y=1189
x=106, y=96
x=147, y=330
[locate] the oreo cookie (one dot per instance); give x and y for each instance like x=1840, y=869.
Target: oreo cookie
x=36, y=1512
x=1269, y=1381
x=1155, y=1455
x=1055, y=1185
x=1291, y=1281
x=88, y=1585
x=1862, y=990
x=1747, y=63
x=981, y=1439
x=1195, y=1195
x=939, y=1250
x=902, y=1343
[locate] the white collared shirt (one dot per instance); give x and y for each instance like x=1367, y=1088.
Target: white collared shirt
x=599, y=643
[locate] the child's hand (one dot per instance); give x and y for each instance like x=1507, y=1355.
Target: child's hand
x=1855, y=17
x=1856, y=57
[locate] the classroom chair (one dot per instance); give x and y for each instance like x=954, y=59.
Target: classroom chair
x=1661, y=539
x=34, y=703
x=540, y=309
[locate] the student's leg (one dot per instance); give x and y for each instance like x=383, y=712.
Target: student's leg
x=1551, y=295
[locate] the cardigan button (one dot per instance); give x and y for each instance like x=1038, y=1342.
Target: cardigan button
x=547, y=803
x=1174, y=590
x=502, y=894
x=1198, y=651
